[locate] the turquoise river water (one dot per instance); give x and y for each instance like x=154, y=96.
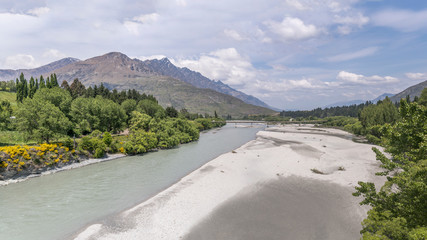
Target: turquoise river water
x=56, y=206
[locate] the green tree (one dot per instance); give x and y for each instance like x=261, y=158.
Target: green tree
x=129, y=105
x=171, y=112
x=42, y=82
x=41, y=120
x=5, y=114
x=77, y=88
x=53, y=80
x=423, y=97
x=149, y=107
x=57, y=96
x=399, y=209
x=32, y=89
x=97, y=113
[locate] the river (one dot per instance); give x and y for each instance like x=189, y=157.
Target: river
x=57, y=205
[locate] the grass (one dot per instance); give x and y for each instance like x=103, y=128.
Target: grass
x=14, y=138
x=11, y=97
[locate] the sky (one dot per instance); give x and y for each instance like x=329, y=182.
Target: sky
x=291, y=54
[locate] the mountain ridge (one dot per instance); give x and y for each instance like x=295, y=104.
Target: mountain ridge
x=10, y=74
x=166, y=67
x=412, y=91
x=118, y=71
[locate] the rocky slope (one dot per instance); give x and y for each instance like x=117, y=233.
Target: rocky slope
x=116, y=70
x=166, y=68
x=411, y=91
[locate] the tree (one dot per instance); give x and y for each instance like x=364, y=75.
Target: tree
x=97, y=114
x=41, y=120
x=171, y=112
x=65, y=86
x=53, y=80
x=423, y=97
x=399, y=209
x=42, y=82
x=48, y=83
x=149, y=107
x=33, y=88
x=5, y=113
x=57, y=96
x=77, y=89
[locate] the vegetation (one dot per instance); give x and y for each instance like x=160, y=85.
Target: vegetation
x=47, y=113
x=399, y=208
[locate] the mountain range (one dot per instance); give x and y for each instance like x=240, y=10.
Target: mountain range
x=411, y=91
x=171, y=85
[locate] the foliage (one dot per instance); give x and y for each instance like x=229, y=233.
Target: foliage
x=379, y=114
x=41, y=120
x=5, y=114
x=423, y=98
x=348, y=111
x=20, y=157
x=97, y=114
x=140, y=141
x=107, y=138
x=208, y=123
x=57, y=96
x=399, y=208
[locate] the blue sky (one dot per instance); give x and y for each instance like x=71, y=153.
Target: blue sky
x=292, y=54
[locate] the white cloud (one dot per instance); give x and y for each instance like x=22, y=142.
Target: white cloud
x=233, y=34
x=54, y=54
x=132, y=27
x=417, y=76
x=147, y=18
x=285, y=85
x=181, y=3
x=293, y=29
x=158, y=57
x=38, y=11
x=358, y=20
x=348, y=22
x=364, y=80
x=353, y=55
x=297, y=4
x=403, y=20
x=226, y=65
x=20, y=61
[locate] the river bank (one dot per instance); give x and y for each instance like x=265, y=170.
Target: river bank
x=292, y=182
x=76, y=163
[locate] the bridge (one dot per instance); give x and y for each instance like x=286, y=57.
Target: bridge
x=245, y=121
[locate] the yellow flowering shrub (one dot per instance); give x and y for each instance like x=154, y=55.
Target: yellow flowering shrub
x=21, y=156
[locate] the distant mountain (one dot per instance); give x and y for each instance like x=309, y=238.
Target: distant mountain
x=9, y=74
x=117, y=70
x=356, y=102
x=166, y=68
x=411, y=91
x=344, y=103
x=382, y=97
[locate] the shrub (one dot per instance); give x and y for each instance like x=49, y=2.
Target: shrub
x=99, y=153
x=107, y=138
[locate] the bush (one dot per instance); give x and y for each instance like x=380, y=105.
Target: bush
x=107, y=138
x=99, y=153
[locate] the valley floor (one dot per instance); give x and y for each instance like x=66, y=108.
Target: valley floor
x=266, y=189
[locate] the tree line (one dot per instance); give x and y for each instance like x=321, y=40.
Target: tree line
x=47, y=111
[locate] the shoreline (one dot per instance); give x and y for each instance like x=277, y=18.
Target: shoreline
x=79, y=164
x=187, y=208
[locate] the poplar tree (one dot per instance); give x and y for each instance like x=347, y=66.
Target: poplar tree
x=42, y=82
